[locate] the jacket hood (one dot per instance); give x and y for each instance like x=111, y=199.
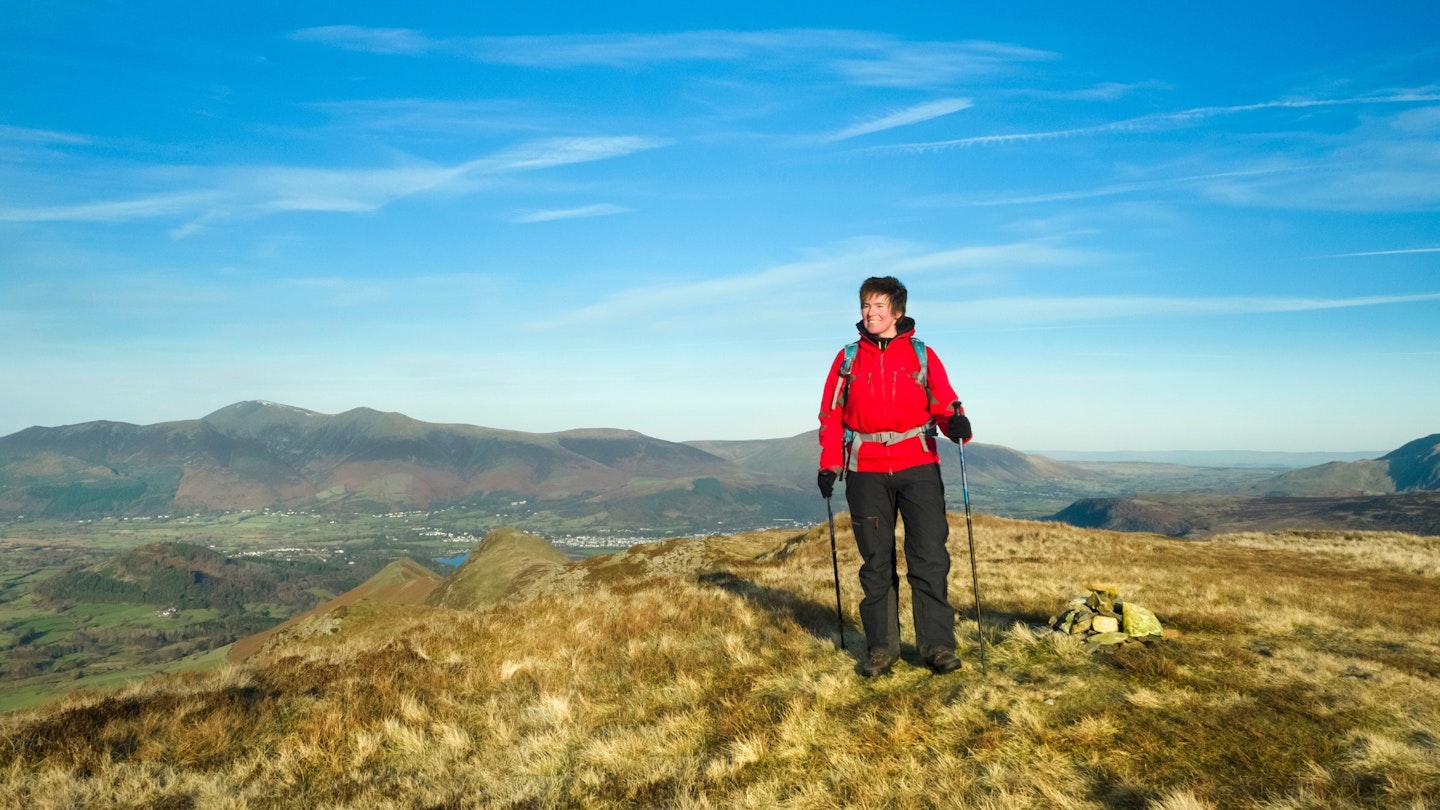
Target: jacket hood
x=904, y=327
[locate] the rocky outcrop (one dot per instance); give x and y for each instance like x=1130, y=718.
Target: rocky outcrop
x=1102, y=619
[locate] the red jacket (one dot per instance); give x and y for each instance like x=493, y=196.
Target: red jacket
x=885, y=396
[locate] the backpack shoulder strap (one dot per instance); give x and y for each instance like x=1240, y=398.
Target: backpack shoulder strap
x=846, y=372
x=922, y=377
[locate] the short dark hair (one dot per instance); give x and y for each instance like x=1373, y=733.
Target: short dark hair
x=888, y=286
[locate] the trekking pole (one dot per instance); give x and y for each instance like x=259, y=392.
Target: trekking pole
x=970, y=530
x=835, y=565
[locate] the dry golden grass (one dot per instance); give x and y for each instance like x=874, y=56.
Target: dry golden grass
x=704, y=674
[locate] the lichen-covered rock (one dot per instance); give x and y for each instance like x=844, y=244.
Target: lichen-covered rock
x=1102, y=597
x=1103, y=619
x=1139, y=621
x=1106, y=639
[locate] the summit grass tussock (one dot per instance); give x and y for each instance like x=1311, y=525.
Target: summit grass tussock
x=705, y=674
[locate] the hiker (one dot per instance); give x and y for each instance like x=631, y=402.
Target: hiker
x=883, y=400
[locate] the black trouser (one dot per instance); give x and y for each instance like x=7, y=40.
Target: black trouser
x=918, y=495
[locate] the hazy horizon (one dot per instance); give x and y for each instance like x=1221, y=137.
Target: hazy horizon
x=1232, y=456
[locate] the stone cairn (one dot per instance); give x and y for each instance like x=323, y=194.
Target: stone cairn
x=1102, y=619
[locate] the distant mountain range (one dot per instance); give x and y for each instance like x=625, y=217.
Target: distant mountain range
x=258, y=455
x=1400, y=491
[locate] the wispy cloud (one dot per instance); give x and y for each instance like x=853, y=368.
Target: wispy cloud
x=9, y=134
x=1398, y=252
x=929, y=64
x=1105, y=91
x=911, y=115
x=1155, y=121
x=255, y=191
x=551, y=51
x=984, y=258
x=861, y=57
x=1105, y=308
x=770, y=293
x=551, y=152
x=1385, y=163
x=368, y=40
x=22, y=145
x=1113, y=190
x=158, y=205
x=427, y=116
x=599, y=210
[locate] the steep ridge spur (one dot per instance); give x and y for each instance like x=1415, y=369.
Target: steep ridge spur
x=502, y=562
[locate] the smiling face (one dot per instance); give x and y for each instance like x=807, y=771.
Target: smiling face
x=878, y=317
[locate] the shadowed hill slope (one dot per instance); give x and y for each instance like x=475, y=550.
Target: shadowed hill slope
x=1415, y=466
x=704, y=673
x=402, y=582
x=173, y=576
x=1198, y=515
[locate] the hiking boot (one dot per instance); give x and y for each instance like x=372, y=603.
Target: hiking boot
x=879, y=662
x=943, y=662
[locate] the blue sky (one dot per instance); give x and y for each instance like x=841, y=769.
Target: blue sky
x=1124, y=226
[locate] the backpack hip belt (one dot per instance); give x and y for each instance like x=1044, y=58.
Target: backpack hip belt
x=854, y=439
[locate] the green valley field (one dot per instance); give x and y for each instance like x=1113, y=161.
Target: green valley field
x=67, y=620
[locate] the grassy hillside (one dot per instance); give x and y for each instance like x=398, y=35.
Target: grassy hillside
x=1368, y=477
x=403, y=582
x=1304, y=672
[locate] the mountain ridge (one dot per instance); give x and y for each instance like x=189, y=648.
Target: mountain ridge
x=1400, y=491
x=258, y=454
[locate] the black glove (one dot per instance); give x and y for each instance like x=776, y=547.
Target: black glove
x=826, y=480
x=958, y=428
